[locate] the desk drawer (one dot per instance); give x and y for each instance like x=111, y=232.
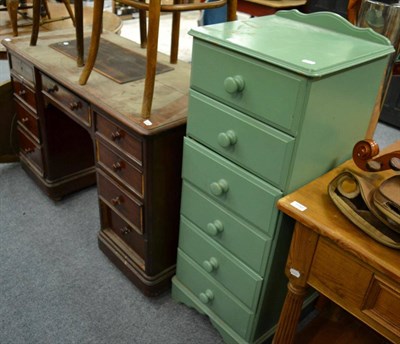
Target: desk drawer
x=76, y=107
x=120, y=227
x=267, y=93
x=23, y=93
x=120, y=168
x=225, y=228
x=231, y=186
x=214, y=296
x=220, y=264
x=23, y=69
x=28, y=120
x=238, y=137
x=120, y=138
x=122, y=203
x=30, y=150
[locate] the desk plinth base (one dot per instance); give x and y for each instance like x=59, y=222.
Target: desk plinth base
x=126, y=260
x=57, y=189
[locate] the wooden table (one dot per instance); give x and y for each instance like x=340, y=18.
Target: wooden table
x=337, y=259
x=266, y=7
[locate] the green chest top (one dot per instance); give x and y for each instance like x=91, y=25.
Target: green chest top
x=307, y=44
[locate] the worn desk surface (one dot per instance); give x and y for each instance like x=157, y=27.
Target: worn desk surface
x=122, y=101
x=332, y=255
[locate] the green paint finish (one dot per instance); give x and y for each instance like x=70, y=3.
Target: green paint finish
x=218, y=299
x=240, y=138
x=269, y=94
x=219, y=264
x=245, y=194
x=311, y=45
x=235, y=235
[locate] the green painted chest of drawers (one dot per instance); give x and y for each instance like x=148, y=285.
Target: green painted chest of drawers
x=274, y=102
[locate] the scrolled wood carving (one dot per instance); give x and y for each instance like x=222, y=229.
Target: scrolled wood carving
x=365, y=156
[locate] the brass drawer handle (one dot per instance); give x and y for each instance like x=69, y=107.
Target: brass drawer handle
x=22, y=93
x=25, y=119
x=75, y=106
x=116, y=135
x=206, y=296
x=125, y=230
x=52, y=89
x=227, y=139
x=117, y=166
x=234, y=84
x=210, y=265
x=116, y=200
x=219, y=188
x=214, y=228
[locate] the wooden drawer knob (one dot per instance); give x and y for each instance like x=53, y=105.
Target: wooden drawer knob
x=219, y=188
x=75, y=106
x=116, y=200
x=116, y=135
x=227, y=139
x=214, y=228
x=28, y=150
x=125, y=230
x=234, y=84
x=22, y=93
x=117, y=166
x=25, y=119
x=206, y=296
x=210, y=265
x=52, y=89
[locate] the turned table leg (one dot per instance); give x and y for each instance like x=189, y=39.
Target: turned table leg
x=12, y=8
x=302, y=248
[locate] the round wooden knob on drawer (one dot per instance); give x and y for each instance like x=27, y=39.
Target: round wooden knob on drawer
x=210, y=265
x=115, y=135
x=52, y=89
x=215, y=227
x=227, y=139
x=28, y=150
x=116, y=200
x=234, y=84
x=125, y=230
x=117, y=166
x=25, y=119
x=206, y=296
x=22, y=93
x=75, y=105
x=219, y=188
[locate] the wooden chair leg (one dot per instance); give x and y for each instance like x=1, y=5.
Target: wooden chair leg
x=143, y=28
x=231, y=10
x=46, y=8
x=35, y=21
x=151, y=64
x=12, y=8
x=69, y=9
x=78, y=23
x=94, y=41
x=176, y=20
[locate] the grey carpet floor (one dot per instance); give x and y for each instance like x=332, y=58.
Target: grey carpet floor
x=56, y=286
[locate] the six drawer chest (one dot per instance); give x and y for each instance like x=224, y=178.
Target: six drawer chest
x=274, y=102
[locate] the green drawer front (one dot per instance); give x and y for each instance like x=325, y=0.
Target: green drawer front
x=265, y=92
x=224, y=228
x=230, y=185
x=220, y=264
x=255, y=146
x=214, y=296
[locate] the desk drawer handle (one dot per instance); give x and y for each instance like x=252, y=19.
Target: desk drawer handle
x=207, y=296
x=125, y=230
x=75, y=106
x=117, y=166
x=116, y=200
x=227, y=139
x=22, y=93
x=210, y=265
x=234, y=84
x=214, y=228
x=219, y=188
x=116, y=135
x=28, y=150
x=52, y=89
x=25, y=119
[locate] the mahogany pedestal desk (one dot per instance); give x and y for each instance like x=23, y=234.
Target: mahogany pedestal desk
x=73, y=136
x=337, y=259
